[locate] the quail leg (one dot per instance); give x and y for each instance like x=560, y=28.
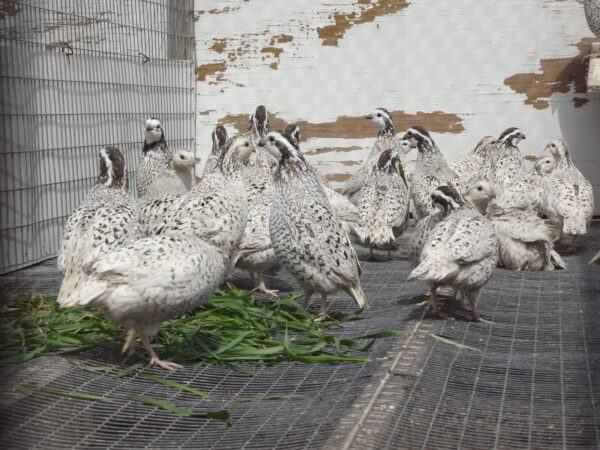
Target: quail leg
x=307, y=296
x=259, y=284
x=323, y=311
x=472, y=296
x=155, y=360
x=322, y=317
x=370, y=253
x=389, y=252
x=433, y=303
x=557, y=239
x=572, y=248
x=473, y=303
x=129, y=346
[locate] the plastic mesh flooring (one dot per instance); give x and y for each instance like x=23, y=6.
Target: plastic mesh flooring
x=534, y=384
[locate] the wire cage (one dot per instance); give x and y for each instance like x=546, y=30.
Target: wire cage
x=74, y=77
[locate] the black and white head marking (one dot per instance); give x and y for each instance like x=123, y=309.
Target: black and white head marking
x=419, y=137
x=511, y=137
x=283, y=146
x=293, y=131
x=219, y=137
x=383, y=119
x=154, y=131
x=484, y=145
x=259, y=121
x=447, y=199
x=389, y=160
x=112, y=167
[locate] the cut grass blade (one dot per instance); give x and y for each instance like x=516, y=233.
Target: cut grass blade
x=230, y=328
x=21, y=357
x=91, y=368
x=129, y=370
x=451, y=341
x=176, y=385
x=221, y=415
x=61, y=393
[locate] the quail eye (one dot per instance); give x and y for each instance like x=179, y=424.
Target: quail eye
x=378, y=114
x=271, y=139
x=480, y=188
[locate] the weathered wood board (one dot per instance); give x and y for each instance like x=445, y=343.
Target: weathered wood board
x=463, y=69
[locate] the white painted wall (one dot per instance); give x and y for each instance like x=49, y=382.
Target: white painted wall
x=450, y=56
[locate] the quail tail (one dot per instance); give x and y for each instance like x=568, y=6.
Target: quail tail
x=434, y=270
x=556, y=259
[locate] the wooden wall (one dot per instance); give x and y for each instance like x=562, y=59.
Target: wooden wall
x=463, y=69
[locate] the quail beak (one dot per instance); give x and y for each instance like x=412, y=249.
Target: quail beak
x=149, y=128
x=261, y=143
x=523, y=136
x=369, y=116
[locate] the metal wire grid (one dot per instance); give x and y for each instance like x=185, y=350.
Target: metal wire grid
x=320, y=394
x=76, y=76
x=534, y=384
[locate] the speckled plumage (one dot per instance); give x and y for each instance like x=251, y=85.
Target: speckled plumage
x=219, y=138
x=467, y=168
x=527, y=192
x=153, y=279
x=177, y=179
x=258, y=127
x=431, y=170
x=592, y=15
x=156, y=156
x=255, y=250
x=383, y=203
x=343, y=208
x=524, y=239
x=420, y=235
x=256, y=254
x=506, y=164
x=308, y=238
x=386, y=139
x=152, y=212
x=105, y=219
x=568, y=198
x=461, y=251
x=163, y=193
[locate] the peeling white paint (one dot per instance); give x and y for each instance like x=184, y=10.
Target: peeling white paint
x=431, y=56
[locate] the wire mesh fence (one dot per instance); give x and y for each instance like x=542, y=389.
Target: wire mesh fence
x=76, y=76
